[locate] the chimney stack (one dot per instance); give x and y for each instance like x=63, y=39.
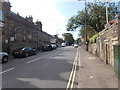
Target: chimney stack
x=30, y=18
x=39, y=25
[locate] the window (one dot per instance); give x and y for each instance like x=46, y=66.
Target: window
x=1, y=18
x=27, y=49
x=1, y=15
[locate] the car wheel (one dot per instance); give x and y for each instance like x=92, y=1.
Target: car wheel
x=26, y=55
x=43, y=50
x=35, y=53
x=4, y=59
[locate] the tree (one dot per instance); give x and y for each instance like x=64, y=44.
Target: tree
x=68, y=37
x=78, y=41
x=58, y=40
x=90, y=32
x=95, y=17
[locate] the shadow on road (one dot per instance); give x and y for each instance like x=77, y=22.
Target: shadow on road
x=50, y=73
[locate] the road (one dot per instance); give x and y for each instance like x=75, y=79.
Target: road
x=44, y=70
x=65, y=67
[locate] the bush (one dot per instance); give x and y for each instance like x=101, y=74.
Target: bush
x=93, y=38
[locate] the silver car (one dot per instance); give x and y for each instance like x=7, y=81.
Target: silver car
x=3, y=57
x=54, y=46
x=75, y=46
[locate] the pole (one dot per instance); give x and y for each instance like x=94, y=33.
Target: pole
x=86, y=36
x=86, y=25
x=106, y=12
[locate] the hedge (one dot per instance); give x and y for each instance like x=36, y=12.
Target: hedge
x=93, y=38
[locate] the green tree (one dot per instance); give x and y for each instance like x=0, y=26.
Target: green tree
x=95, y=18
x=68, y=37
x=90, y=32
x=58, y=40
x=78, y=41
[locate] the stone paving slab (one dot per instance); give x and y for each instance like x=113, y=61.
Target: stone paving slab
x=94, y=72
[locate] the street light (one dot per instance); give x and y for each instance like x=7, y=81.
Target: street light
x=57, y=31
x=56, y=36
x=107, y=11
x=106, y=1
x=85, y=23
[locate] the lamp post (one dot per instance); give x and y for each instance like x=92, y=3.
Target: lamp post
x=106, y=1
x=57, y=31
x=85, y=24
x=106, y=12
x=57, y=38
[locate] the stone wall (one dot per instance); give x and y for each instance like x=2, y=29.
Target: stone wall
x=0, y=5
x=119, y=31
x=22, y=33
x=104, y=45
x=0, y=29
x=93, y=48
x=5, y=30
x=0, y=38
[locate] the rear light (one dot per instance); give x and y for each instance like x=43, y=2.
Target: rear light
x=16, y=52
x=21, y=52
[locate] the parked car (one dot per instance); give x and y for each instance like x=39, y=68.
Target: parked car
x=72, y=45
x=54, y=46
x=63, y=44
x=46, y=47
x=24, y=52
x=75, y=46
x=3, y=57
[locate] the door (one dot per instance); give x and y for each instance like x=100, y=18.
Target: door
x=107, y=54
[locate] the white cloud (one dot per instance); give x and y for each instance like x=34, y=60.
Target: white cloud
x=43, y=10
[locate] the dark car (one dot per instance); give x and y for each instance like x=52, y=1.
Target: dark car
x=3, y=57
x=24, y=52
x=47, y=47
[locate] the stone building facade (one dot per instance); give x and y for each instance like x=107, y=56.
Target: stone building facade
x=47, y=38
x=19, y=32
x=105, y=42
x=1, y=26
x=4, y=9
x=119, y=32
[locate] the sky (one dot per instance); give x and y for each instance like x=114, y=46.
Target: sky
x=54, y=14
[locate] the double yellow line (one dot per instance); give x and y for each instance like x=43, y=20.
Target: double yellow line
x=72, y=74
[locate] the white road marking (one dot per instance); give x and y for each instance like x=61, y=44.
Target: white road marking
x=72, y=74
x=33, y=60
x=73, y=79
x=79, y=68
x=6, y=70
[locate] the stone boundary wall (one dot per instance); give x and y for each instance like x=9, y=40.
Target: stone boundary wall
x=93, y=48
x=103, y=48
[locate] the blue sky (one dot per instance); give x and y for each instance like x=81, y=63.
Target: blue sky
x=53, y=14
x=69, y=8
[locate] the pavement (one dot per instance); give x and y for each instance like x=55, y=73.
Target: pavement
x=94, y=73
